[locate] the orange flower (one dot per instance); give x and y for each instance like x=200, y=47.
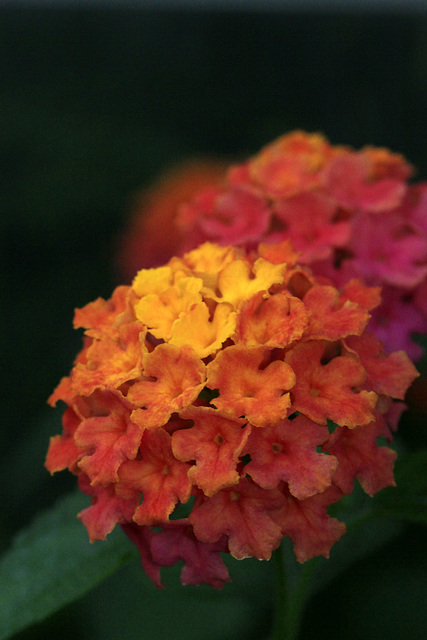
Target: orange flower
x=330, y=391
x=158, y=476
x=206, y=386
x=109, y=362
x=332, y=318
x=271, y=322
x=246, y=389
x=63, y=451
x=243, y=514
x=174, y=379
x=215, y=443
x=108, y=439
x=292, y=161
x=287, y=452
x=107, y=509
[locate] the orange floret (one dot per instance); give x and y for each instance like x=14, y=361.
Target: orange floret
x=107, y=509
x=109, y=362
x=243, y=514
x=215, y=443
x=331, y=391
x=308, y=524
x=288, y=452
x=177, y=377
x=158, y=476
x=292, y=162
x=332, y=318
x=205, y=327
x=388, y=374
x=246, y=389
x=99, y=318
x=274, y=321
x=360, y=457
x=240, y=280
x=109, y=438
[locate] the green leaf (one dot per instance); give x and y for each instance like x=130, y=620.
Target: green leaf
x=52, y=563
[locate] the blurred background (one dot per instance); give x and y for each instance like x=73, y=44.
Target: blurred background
x=96, y=100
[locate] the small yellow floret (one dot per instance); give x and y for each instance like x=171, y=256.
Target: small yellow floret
x=149, y=281
x=238, y=282
x=159, y=311
x=203, y=334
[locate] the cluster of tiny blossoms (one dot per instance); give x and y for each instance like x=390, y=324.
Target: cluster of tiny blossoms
x=351, y=214
x=224, y=401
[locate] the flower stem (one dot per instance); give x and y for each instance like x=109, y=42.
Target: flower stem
x=293, y=582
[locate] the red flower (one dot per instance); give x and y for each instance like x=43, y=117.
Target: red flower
x=215, y=443
x=331, y=390
x=157, y=475
x=360, y=457
x=244, y=515
x=288, y=453
x=308, y=524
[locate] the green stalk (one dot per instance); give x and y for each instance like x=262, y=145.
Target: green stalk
x=293, y=586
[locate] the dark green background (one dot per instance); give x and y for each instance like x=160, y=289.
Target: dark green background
x=93, y=104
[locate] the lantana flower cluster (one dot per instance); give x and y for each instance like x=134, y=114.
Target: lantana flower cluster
x=224, y=401
x=350, y=213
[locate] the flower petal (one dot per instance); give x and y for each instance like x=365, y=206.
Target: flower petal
x=160, y=310
x=179, y=377
x=215, y=444
x=238, y=281
x=309, y=525
x=111, y=361
x=243, y=514
x=63, y=452
x=311, y=224
x=99, y=317
x=161, y=479
x=247, y=390
x=204, y=333
x=348, y=180
x=202, y=561
x=109, y=438
x=287, y=452
x=360, y=457
x=331, y=318
x=388, y=374
x=106, y=510
x=329, y=391
x=236, y=215
x=275, y=321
